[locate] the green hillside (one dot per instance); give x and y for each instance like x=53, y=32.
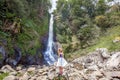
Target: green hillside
x=106, y=41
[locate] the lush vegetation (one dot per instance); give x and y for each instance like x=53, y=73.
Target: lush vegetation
x=80, y=24
x=22, y=23
x=106, y=41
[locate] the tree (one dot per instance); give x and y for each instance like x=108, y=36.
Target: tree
x=102, y=21
x=84, y=35
x=101, y=7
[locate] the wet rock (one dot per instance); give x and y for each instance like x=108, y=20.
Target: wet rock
x=38, y=57
x=17, y=54
x=3, y=55
x=56, y=45
x=30, y=60
x=2, y=51
x=11, y=62
x=17, y=57
x=43, y=40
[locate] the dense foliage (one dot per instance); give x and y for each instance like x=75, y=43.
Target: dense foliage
x=81, y=22
x=78, y=23
x=22, y=23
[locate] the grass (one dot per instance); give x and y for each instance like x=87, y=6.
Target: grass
x=105, y=41
x=3, y=75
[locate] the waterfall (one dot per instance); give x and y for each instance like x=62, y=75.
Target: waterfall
x=49, y=55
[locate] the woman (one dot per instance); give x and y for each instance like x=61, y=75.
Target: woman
x=61, y=61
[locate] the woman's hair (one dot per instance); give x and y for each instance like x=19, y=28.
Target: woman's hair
x=60, y=50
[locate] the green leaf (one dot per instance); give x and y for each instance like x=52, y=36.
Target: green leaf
x=10, y=15
x=4, y=34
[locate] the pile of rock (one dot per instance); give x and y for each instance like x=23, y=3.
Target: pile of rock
x=34, y=72
x=98, y=65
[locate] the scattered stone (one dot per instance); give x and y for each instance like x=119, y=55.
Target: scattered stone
x=33, y=78
x=31, y=69
x=116, y=79
x=11, y=77
x=97, y=74
x=51, y=75
x=19, y=68
x=93, y=67
x=13, y=73
x=44, y=73
x=25, y=77
x=78, y=66
x=113, y=74
x=104, y=79
x=89, y=67
x=7, y=69
x=103, y=52
x=42, y=78
x=114, y=61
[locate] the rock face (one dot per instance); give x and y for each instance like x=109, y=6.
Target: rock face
x=98, y=65
x=17, y=57
x=114, y=61
x=3, y=55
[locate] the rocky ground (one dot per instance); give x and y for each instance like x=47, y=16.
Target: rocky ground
x=98, y=65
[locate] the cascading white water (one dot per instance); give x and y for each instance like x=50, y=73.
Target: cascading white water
x=49, y=55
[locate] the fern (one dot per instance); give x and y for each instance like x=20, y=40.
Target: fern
x=3, y=33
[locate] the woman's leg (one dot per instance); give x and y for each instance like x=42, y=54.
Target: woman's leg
x=61, y=70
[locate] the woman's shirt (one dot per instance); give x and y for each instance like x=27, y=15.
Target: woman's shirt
x=61, y=54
